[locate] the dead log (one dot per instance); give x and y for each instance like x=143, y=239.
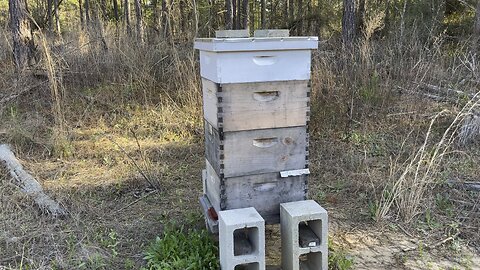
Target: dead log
x=426, y=95
x=28, y=184
x=468, y=185
x=437, y=93
x=443, y=91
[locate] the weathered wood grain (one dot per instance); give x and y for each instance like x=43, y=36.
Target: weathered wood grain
x=213, y=185
x=214, y=147
x=28, y=184
x=265, y=192
x=247, y=106
x=210, y=102
x=256, y=151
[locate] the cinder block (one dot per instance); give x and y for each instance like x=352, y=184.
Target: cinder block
x=244, y=33
x=304, y=229
x=242, y=239
x=272, y=33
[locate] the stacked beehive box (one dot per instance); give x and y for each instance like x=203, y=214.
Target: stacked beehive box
x=256, y=95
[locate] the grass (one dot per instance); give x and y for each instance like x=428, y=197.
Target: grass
x=420, y=172
x=182, y=249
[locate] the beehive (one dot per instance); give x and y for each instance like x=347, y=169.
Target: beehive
x=256, y=108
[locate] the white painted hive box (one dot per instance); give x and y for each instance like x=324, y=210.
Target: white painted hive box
x=242, y=60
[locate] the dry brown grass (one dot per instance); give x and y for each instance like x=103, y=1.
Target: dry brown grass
x=371, y=112
x=133, y=109
x=129, y=110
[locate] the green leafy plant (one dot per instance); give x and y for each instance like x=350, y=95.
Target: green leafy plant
x=182, y=249
x=444, y=204
x=430, y=220
x=370, y=92
x=338, y=259
x=373, y=210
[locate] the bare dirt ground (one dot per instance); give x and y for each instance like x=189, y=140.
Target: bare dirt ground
x=391, y=248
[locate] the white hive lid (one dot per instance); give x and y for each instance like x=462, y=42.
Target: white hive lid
x=256, y=44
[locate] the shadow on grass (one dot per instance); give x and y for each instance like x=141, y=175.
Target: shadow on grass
x=112, y=221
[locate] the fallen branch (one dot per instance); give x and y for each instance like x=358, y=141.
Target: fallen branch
x=432, y=246
x=405, y=231
x=474, y=186
x=136, y=201
x=28, y=184
x=430, y=96
x=442, y=90
x=437, y=93
x=439, y=243
x=13, y=96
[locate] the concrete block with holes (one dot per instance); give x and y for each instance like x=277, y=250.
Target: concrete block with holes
x=242, y=239
x=304, y=230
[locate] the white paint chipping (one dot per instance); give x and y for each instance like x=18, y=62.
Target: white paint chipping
x=28, y=183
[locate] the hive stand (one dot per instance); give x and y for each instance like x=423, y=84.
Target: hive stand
x=242, y=239
x=304, y=229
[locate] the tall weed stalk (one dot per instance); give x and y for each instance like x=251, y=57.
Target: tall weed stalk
x=411, y=181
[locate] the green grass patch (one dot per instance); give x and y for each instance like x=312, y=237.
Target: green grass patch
x=182, y=249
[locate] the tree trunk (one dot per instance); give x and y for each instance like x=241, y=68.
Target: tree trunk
x=171, y=18
x=103, y=7
x=139, y=17
x=87, y=12
x=236, y=13
x=348, y=23
x=245, y=14
x=213, y=15
x=285, y=10
x=291, y=10
x=57, y=17
x=23, y=43
x=115, y=11
x=477, y=21
x=386, y=22
x=155, y=14
x=80, y=9
x=50, y=14
x=309, y=17
x=165, y=19
x=229, y=14
x=300, y=17
x=252, y=14
x=183, y=16
x=273, y=14
x=360, y=24
x=126, y=15
x=263, y=14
